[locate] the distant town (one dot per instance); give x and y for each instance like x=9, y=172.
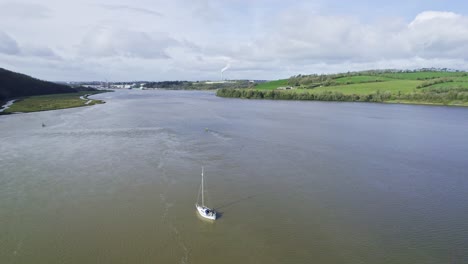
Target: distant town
x=176, y=85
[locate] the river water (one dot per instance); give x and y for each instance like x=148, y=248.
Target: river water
x=295, y=182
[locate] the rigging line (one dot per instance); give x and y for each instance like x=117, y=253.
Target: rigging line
x=198, y=195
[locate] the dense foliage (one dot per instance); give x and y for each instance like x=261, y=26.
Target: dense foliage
x=428, y=96
x=86, y=89
x=175, y=85
x=434, y=81
x=286, y=95
x=186, y=85
x=14, y=84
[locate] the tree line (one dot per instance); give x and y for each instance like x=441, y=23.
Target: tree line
x=434, y=81
x=430, y=96
x=286, y=95
x=198, y=85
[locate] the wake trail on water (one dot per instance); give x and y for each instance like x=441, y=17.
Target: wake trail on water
x=167, y=205
x=219, y=135
x=116, y=132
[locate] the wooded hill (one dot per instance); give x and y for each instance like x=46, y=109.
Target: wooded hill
x=13, y=84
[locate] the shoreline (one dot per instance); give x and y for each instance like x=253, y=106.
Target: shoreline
x=452, y=98
x=401, y=102
x=50, y=102
x=424, y=103
x=85, y=97
x=7, y=105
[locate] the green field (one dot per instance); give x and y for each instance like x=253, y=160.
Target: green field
x=422, y=75
x=272, y=85
x=360, y=79
x=450, y=85
x=418, y=87
x=402, y=86
x=51, y=102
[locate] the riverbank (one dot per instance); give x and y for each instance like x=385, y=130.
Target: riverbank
x=454, y=99
x=52, y=102
x=421, y=87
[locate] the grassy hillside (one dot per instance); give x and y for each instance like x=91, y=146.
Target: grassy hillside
x=14, y=85
x=394, y=86
x=420, y=87
x=424, y=75
x=360, y=79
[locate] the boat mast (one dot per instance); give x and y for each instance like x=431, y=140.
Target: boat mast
x=202, y=191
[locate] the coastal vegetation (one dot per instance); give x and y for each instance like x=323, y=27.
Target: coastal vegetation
x=31, y=94
x=53, y=102
x=426, y=86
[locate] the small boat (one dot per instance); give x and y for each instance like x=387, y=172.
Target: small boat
x=204, y=211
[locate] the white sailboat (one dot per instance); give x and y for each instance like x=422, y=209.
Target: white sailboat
x=204, y=211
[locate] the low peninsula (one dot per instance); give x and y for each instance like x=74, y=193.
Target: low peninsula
x=21, y=93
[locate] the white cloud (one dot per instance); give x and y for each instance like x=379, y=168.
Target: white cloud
x=8, y=45
x=108, y=42
x=433, y=16
x=134, y=9
x=40, y=52
x=19, y=10
x=298, y=36
x=438, y=35
x=157, y=40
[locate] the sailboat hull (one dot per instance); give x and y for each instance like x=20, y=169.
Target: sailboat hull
x=206, y=212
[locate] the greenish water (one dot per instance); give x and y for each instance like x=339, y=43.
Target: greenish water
x=295, y=182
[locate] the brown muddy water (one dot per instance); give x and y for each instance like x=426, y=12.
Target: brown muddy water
x=295, y=182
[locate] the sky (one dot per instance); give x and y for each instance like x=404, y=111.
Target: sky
x=155, y=40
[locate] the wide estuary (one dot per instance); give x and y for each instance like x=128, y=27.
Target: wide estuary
x=295, y=182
